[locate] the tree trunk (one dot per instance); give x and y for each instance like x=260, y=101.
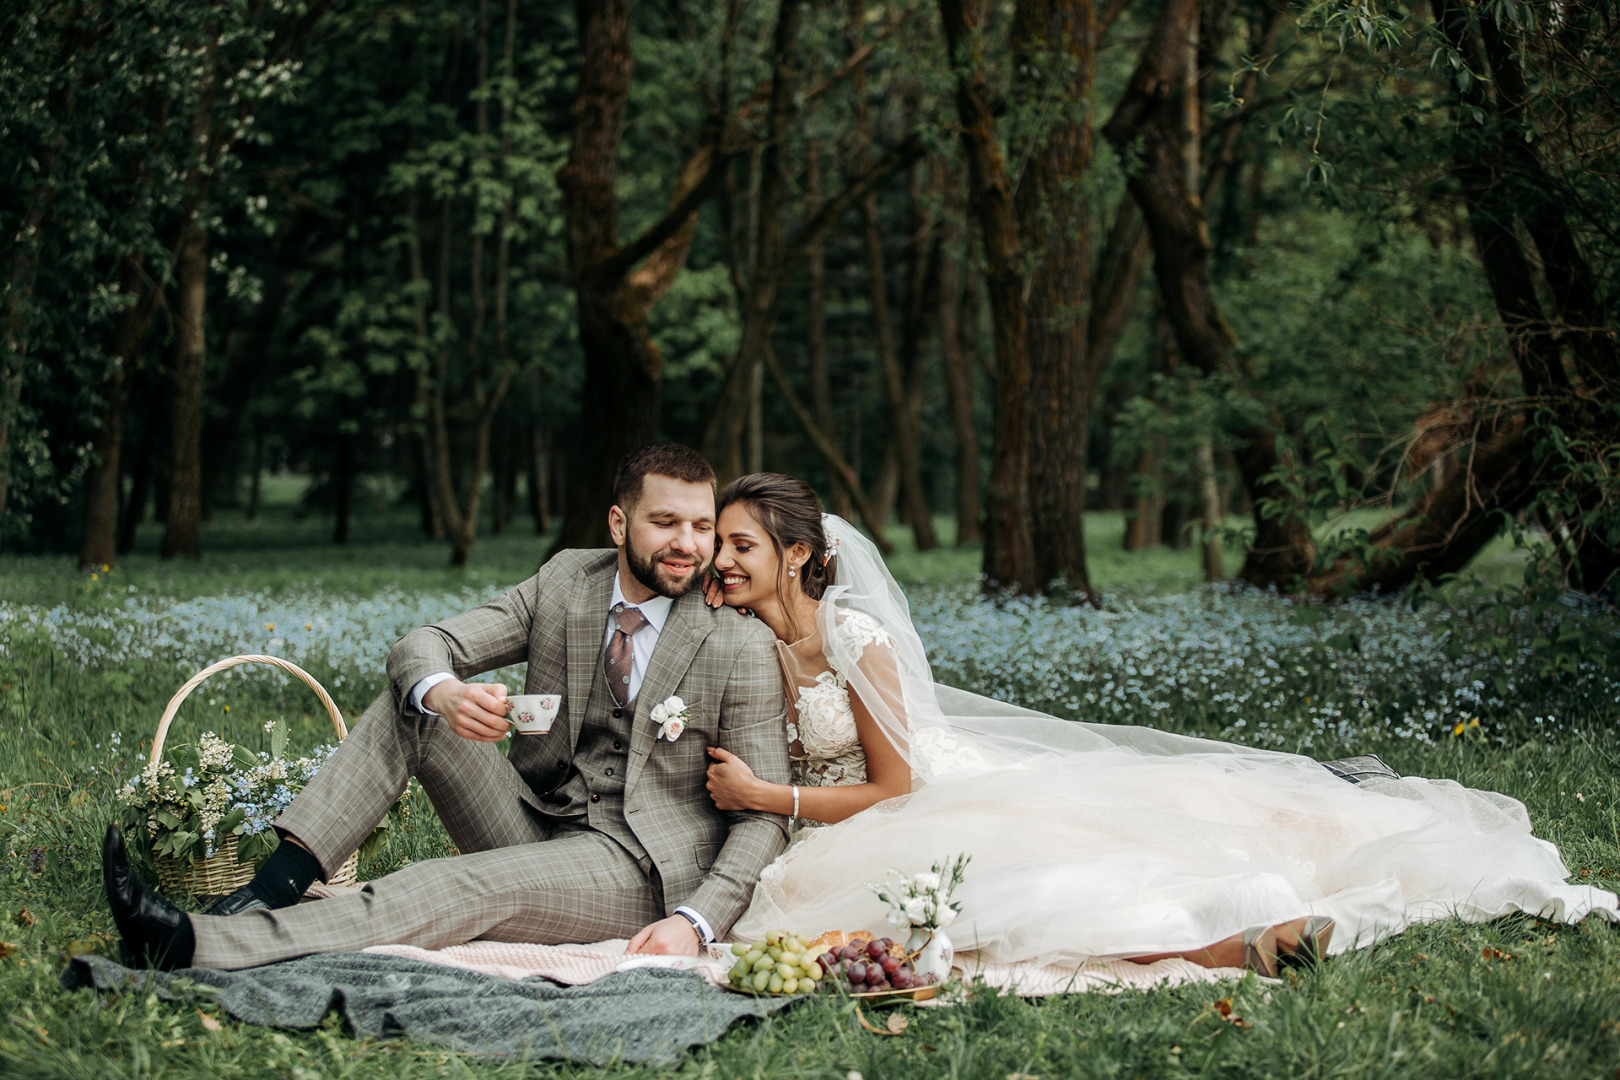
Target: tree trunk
x=98, y=545
x=256, y=480
x=1539, y=201
x=539, y=481
x=922, y=281
x=1113, y=291
x=190, y=357
x=956, y=304
x=11, y=382
x=505, y=474
x=816, y=331
x=1052, y=43
x=1149, y=122
x=1009, y=561
x=140, y=494
x=1145, y=526
x=342, y=488
x=623, y=368
x=1209, y=507
x=765, y=258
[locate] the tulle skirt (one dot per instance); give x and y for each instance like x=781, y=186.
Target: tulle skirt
x=1172, y=844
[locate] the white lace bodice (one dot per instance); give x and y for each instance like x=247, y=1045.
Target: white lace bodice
x=823, y=742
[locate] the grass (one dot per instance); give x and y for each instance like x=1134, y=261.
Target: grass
x=82, y=660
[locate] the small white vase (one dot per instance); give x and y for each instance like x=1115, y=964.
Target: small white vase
x=933, y=950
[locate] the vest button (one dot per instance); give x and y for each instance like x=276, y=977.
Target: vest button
x=618, y=714
x=562, y=764
x=617, y=745
x=610, y=772
x=596, y=798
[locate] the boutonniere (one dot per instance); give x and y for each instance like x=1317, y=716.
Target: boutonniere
x=671, y=715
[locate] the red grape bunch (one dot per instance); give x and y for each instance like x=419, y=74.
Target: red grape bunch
x=865, y=967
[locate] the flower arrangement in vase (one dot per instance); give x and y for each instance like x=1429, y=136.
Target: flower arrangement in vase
x=922, y=903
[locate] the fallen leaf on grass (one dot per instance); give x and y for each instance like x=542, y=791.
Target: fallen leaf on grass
x=895, y=1025
x=1490, y=953
x=26, y=917
x=6, y=949
x=209, y=1022
x=1224, y=1007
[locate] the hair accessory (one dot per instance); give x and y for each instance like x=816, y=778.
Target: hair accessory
x=832, y=549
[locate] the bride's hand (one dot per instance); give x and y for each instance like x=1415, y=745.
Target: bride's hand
x=731, y=782
x=713, y=594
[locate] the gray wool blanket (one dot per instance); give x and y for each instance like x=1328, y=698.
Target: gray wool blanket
x=645, y=1015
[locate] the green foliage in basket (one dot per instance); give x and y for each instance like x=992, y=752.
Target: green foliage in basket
x=186, y=805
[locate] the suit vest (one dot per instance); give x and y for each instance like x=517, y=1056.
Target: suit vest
x=592, y=792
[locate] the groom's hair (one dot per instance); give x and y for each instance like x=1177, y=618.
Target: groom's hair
x=663, y=459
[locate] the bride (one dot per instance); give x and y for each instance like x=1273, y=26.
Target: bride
x=1087, y=840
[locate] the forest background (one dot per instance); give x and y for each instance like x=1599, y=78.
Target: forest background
x=1219, y=263
x=1325, y=290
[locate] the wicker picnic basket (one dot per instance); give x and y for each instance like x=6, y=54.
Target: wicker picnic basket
x=221, y=873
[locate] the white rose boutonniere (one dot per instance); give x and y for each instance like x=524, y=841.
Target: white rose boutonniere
x=671, y=715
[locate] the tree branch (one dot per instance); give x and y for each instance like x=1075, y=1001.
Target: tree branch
x=619, y=262
x=835, y=461
x=811, y=232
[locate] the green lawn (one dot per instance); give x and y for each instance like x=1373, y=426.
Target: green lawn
x=82, y=660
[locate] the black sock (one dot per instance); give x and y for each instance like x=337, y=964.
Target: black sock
x=181, y=947
x=285, y=875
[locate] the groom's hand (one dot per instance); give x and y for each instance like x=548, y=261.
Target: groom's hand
x=473, y=710
x=674, y=936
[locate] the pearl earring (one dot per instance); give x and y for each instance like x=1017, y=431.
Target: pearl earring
x=793, y=573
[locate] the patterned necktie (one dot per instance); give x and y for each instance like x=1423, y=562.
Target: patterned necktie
x=620, y=656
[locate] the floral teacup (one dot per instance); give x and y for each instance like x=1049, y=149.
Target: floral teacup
x=532, y=714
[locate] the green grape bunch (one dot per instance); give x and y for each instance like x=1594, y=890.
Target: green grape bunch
x=779, y=965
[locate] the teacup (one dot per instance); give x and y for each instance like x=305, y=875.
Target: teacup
x=532, y=714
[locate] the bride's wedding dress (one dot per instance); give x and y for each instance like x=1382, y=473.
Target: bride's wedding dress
x=1096, y=840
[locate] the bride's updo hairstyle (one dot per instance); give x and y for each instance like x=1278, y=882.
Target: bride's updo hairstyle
x=790, y=513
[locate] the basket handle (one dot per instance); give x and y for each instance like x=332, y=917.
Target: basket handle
x=236, y=661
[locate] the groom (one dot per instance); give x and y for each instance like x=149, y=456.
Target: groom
x=597, y=829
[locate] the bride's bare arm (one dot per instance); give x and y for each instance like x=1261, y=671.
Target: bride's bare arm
x=733, y=785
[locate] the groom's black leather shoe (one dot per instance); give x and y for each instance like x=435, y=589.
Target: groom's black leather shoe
x=243, y=899
x=155, y=933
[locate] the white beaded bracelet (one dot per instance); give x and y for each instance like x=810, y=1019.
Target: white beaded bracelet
x=795, y=815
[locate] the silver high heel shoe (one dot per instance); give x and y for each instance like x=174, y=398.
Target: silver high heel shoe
x=1314, y=940
x=1260, y=950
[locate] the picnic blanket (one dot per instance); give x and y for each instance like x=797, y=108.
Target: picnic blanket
x=577, y=964
x=643, y=1015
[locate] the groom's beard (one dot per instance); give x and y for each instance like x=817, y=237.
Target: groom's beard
x=649, y=570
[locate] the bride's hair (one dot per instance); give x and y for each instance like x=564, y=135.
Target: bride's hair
x=790, y=513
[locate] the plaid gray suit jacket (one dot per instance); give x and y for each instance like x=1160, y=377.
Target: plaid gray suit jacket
x=724, y=667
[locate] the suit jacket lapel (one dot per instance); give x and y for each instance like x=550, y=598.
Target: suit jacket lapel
x=677, y=645
x=587, y=628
